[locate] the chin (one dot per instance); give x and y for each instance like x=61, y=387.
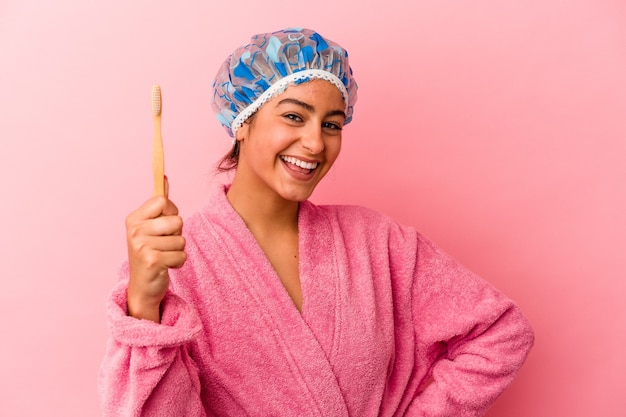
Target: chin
x=297, y=195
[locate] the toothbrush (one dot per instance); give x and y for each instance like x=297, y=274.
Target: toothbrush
x=158, y=168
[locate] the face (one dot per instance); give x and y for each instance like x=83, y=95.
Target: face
x=292, y=141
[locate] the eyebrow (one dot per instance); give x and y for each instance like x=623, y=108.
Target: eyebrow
x=309, y=108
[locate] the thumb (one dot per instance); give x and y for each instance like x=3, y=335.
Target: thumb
x=170, y=208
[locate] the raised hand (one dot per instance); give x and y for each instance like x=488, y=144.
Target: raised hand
x=155, y=244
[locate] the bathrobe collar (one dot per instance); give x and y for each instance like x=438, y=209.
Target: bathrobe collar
x=310, y=339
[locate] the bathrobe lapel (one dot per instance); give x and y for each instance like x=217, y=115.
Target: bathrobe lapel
x=308, y=341
x=319, y=279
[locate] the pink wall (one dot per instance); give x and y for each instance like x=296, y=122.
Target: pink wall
x=496, y=128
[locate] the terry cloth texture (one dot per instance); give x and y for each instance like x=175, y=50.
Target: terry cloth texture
x=390, y=326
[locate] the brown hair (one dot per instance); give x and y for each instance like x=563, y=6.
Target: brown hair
x=230, y=160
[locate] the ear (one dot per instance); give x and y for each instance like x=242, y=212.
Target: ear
x=242, y=132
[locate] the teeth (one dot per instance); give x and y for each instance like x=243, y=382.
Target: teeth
x=297, y=162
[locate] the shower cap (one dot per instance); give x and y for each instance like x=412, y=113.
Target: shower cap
x=255, y=73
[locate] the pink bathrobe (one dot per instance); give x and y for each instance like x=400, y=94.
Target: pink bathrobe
x=390, y=326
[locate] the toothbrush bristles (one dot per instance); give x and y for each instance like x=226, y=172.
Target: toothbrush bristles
x=156, y=100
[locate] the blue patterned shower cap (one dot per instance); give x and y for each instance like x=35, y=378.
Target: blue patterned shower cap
x=255, y=73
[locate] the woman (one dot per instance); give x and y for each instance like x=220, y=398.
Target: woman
x=270, y=305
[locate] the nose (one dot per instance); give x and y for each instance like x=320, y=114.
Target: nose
x=313, y=140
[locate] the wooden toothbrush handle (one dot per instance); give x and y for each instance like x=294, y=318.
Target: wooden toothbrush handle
x=158, y=165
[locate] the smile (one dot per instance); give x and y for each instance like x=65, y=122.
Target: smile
x=300, y=164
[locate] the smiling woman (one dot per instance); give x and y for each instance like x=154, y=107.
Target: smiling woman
x=267, y=304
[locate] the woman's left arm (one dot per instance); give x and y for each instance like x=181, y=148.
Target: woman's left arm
x=472, y=338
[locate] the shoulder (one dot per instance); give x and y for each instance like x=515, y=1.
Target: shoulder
x=215, y=215
x=195, y=225
x=196, y=219
x=364, y=222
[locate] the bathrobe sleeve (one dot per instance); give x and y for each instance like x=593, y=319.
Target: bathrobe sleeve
x=471, y=336
x=147, y=369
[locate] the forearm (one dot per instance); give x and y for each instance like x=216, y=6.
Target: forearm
x=143, y=310
x=142, y=382
x=147, y=369
x=477, y=368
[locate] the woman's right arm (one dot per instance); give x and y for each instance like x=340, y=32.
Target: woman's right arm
x=147, y=369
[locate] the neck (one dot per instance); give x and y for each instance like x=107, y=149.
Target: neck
x=262, y=210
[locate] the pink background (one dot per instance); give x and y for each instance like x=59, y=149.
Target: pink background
x=496, y=128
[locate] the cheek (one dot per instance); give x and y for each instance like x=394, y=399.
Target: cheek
x=333, y=149
x=273, y=138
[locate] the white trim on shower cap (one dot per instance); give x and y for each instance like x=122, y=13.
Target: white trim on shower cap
x=280, y=86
